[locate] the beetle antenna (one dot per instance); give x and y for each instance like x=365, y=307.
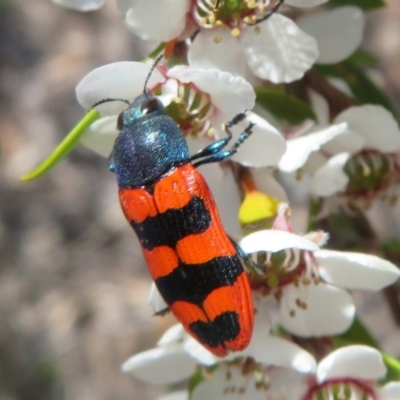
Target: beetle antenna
x=106, y=101
x=156, y=62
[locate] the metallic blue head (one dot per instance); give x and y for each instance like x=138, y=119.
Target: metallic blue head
x=149, y=144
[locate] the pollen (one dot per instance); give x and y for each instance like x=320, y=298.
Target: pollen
x=235, y=32
x=250, y=19
x=257, y=30
x=211, y=132
x=217, y=39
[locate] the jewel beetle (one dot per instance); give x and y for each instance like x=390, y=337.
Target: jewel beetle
x=193, y=262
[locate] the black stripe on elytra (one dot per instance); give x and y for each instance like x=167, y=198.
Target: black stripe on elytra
x=172, y=225
x=224, y=328
x=194, y=282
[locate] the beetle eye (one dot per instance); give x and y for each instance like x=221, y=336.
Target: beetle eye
x=150, y=105
x=120, y=121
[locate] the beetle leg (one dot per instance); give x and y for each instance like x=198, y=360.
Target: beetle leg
x=212, y=148
x=224, y=155
x=218, y=145
x=276, y=7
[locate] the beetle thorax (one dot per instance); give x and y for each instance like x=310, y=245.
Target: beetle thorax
x=147, y=148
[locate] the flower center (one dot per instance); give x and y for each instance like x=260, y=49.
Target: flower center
x=341, y=389
x=283, y=268
x=191, y=109
x=371, y=173
x=229, y=13
x=242, y=376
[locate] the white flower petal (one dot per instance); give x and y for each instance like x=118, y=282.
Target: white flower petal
x=175, y=334
x=331, y=178
x=123, y=6
x=266, y=183
x=158, y=20
x=230, y=94
x=320, y=107
x=357, y=362
x=81, y=5
x=299, y=149
x=349, y=142
x=329, y=310
x=101, y=135
x=304, y=3
x=227, y=382
x=278, y=50
x=124, y=80
x=356, y=270
x=391, y=391
x=199, y=352
x=225, y=54
x=228, y=199
x=271, y=350
x=286, y=384
x=156, y=300
x=341, y=85
x=263, y=148
x=375, y=124
x=154, y=366
x=275, y=240
x=313, y=164
x=339, y=32
x=181, y=395
x=212, y=173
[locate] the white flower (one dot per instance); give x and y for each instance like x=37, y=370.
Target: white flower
x=353, y=371
x=366, y=166
x=264, y=348
x=228, y=39
x=200, y=101
x=179, y=349
x=81, y=5
x=309, y=283
x=358, y=155
x=275, y=49
x=339, y=32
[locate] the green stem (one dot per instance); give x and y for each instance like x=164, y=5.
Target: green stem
x=64, y=148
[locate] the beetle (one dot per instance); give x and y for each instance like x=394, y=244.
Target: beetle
x=193, y=262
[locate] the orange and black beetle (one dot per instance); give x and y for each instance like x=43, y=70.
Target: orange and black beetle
x=193, y=262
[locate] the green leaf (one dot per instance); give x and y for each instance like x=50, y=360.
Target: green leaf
x=391, y=245
x=357, y=334
x=64, y=148
x=284, y=106
x=195, y=380
x=363, y=59
x=393, y=367
x=391, y=250
x=313, y=211
x=363, y=89
x=366, y=5
x=155, y=52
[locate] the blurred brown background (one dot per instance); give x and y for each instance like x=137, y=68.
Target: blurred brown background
x=73, y=286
